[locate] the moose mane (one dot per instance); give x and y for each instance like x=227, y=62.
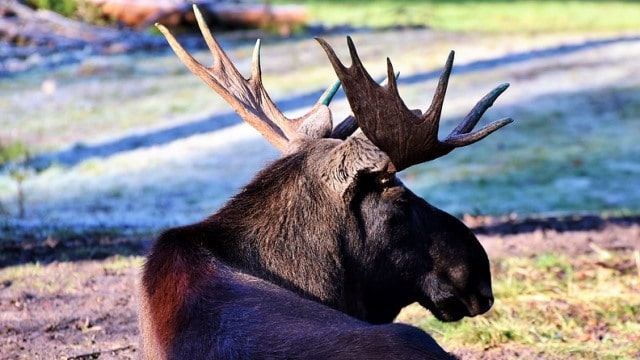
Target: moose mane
x=280, y=223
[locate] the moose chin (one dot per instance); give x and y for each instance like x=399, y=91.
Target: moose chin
x=316, y=256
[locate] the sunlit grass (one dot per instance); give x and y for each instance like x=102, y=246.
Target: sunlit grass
x=556, y=153
x=101, y=103
x=571, y=151
x=491, y=16
x=585, y=307
x=59, y=277
x=119, y=263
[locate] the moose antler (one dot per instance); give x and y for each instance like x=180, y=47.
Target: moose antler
x=248, y=97
x=407, y=136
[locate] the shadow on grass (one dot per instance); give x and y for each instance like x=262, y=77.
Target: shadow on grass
x=97, y=244
x=20, y=245
x=555, y=223
x=80, y=152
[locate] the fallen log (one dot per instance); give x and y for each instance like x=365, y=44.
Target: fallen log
x=171, y=13
x=29, y=36
x=282, y=17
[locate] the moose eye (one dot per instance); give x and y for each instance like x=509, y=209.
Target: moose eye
x=387, y=180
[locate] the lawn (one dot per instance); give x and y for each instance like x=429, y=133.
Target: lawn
x=483, y=16
x=116, y=120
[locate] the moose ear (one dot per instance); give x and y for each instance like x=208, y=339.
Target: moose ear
x=351, y=158
x=316, y=126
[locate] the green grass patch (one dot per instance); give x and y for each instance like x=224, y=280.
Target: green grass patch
x=64, y=7
x=585, y=307
x=491, y=16
x=13, y=151
x=585, y=135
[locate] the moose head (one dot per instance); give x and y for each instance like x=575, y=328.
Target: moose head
x=330, y=220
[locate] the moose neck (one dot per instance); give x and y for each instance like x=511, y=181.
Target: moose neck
x=289, y=228
x=282, y=227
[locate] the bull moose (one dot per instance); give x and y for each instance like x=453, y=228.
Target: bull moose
x=316, y=256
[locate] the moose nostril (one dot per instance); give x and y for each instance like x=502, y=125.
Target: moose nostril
x=488, y=303
x=479, y=304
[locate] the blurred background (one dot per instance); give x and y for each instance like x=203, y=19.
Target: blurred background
x=104, y=134
x=102, y=125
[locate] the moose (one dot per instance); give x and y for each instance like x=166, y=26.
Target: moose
x=317, y=255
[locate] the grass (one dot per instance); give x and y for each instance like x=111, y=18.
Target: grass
x=569, y=163
x=565, y=308
x=489, y=16
x=38, y=277
x=12, y=152
x=583, y=136
x=119, y=96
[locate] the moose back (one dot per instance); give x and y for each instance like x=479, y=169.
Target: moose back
x=319, y=252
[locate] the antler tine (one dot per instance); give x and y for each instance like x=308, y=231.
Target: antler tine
x=460, y=135
x=372, y=105
x=349, y=125
x=435, y=109
x=407, y=137
x=247, y=97
x=459, y=140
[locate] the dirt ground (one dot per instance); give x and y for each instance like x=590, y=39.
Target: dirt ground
x=86, y=309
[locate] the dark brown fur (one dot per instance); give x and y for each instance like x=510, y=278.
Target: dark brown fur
x=328, y=224
x=230, y=315
x=324, y=243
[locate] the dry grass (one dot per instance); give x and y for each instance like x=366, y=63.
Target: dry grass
x=556, y=307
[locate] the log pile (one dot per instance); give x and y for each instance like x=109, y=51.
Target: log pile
x=36, y=37
x=144, y=13
x=222, y=13
x=28, y=35
x=284, y=18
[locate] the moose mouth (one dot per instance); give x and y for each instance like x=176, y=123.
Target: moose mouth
x=448, y=310
x=454, y=308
